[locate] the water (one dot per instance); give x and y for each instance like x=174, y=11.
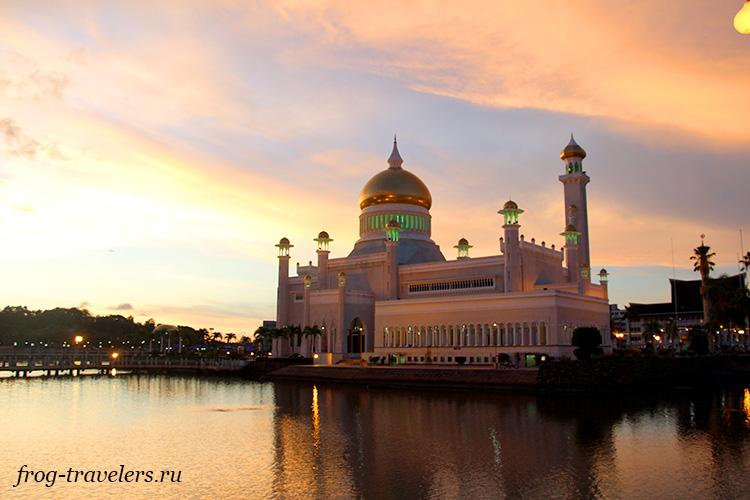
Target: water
x=238, y=439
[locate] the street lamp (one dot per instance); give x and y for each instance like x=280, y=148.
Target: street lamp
x=115, y=355
x=742, y=19
x=78, y=339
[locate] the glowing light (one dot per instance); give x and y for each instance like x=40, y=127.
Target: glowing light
x=77, y=363
x=315, y=418
x=657, y=338
x=78, y=339
x=742, y=19
x=115, y=355
x=316, y=356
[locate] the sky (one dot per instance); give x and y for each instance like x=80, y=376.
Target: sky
x=152, y=154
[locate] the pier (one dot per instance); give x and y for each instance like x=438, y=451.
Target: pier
x=57, y=362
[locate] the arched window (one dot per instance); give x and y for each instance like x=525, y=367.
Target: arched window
x=543, y=333
x=517, y=334
x=503, y=341
x=534, y=334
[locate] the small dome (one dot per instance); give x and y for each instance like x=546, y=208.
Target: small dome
x=463, y=242
x=323, y=235
x=284, y=241
x=570, y=228
x=572, y=150
x=510, y=204
x=603, y=271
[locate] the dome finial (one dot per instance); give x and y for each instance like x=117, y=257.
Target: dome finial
x=395, y=160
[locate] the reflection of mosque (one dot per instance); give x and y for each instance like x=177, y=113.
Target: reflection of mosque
x=344, y=442
x=348, y=443
x=395, y=295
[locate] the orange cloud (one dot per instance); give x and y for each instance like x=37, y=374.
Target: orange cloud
x=580, y=57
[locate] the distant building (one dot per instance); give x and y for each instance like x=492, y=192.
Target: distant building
x=617, y=319
x=685, y=307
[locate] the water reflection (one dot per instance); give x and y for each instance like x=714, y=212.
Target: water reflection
x=239, y=439
x=351, y=442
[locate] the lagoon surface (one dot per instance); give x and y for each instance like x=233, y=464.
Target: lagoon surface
x=242, y=439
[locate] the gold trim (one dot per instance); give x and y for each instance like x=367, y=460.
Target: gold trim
x=379, y=199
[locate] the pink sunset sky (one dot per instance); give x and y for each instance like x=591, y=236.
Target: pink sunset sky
x=152, y=153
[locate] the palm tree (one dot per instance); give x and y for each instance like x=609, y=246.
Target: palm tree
x=216, y=336
x=312, y=331
x=703, y=264
x=745, y=261
x=294, y=333
x=230, y=337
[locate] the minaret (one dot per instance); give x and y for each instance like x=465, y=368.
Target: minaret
x=391, y=259
x=323, y=240
x=511, y=247
x=604, y=282
x=463, y=248
x=576, y=207
x=282, y=296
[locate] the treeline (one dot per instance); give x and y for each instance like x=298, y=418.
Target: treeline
x=19, y=325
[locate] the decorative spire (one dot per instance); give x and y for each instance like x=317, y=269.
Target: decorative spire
x=395, y=160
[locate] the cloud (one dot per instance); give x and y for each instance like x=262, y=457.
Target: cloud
x=18, y=143
x=84, y=305
x=581, y=57
x=122, y=307
x=21, y=78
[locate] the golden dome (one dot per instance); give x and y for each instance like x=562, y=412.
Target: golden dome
x=572, y=150
x=395, y=185
x=510, y=204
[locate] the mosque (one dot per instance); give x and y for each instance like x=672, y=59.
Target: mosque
x=396, y=298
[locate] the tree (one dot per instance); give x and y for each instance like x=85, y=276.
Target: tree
x=703, y=264
x=650, y=329
x=216, y=336
x=312, y=332
x=294, y=334
x=729, y=302
x=230, y=337
x=587, y=339
x=672, y=332
x=745, y=261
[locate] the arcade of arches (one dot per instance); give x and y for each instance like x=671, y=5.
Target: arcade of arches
x=467, y=335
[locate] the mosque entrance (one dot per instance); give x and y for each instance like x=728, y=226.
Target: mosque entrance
x=356, y=338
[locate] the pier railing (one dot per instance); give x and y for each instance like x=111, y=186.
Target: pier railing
x=56, y=361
